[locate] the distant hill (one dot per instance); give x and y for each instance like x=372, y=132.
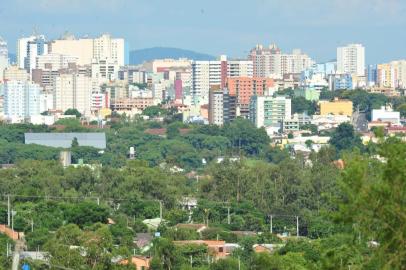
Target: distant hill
x=140, y=56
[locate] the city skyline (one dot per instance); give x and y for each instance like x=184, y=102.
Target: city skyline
x=316, y=27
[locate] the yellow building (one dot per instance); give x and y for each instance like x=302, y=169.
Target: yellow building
x=336, y=107
x=386, y=75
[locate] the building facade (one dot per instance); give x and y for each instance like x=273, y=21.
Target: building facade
x=351, y=60
x=272, y=63
x=88, y=49
x=269, y=111
x=21, y=99
x=336, y=107
x=206, y=74
x=73, y=91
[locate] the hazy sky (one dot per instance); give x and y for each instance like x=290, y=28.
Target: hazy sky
x=216, y=27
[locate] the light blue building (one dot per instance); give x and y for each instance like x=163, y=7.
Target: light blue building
x=372, y=75
x=21, y=99
x=343, y=82
x=35, y=48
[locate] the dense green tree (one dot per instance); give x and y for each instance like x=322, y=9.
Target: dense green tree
x=301, y=105
x=345, y=138
x=373, y=202
x=74, y=112
x=153, y=111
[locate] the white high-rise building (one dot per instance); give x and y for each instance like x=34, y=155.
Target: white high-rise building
x=351, y=60
x=4, y=61
x=206, y=74
x=266, y=61
x=22, y=45
x=35, y=48
x=3, y=48
x=269, y=111
x=21, y=100
x=272, y=63
x=88, y=50
x=3, y=66
x=28, y=49
x=112, y=49
x=399, y=67
x=216, y=107
x=73, y=91
x=104, y=71
x=295, y=63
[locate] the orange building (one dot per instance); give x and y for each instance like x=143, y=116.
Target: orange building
x=217, y=248
x=139, y=262
x=244, y=88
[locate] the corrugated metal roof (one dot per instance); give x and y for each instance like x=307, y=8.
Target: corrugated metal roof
x=64, y=140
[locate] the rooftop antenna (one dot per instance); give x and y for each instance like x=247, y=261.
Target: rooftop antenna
x=35, y=31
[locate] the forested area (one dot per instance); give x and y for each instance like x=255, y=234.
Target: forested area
x=347, y=218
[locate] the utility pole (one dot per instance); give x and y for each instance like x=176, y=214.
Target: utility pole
x=228, y=215
x=12, y=221
x=297, y=226
x=8, y=210
x=160, y=210
x=271, y=224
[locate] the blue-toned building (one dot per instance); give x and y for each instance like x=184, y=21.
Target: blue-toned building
x=343, y=82
x=35, y=48
x=372, y=75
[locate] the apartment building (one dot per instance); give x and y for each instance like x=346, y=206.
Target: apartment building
x=206, y=74
x=269, y=111
x=351, y=59
x=21, y=100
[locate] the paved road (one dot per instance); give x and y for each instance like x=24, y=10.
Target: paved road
x=20, y=245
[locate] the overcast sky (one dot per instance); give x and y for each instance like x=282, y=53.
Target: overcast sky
x=216, y=27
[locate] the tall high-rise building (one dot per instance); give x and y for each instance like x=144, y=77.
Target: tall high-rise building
x=21, y=99
x=111, y=49
x=28, y=49
x=216, y=106
x=3, y=48
x=386, y=75
x=4, y=62
x=243, y=88
x=399, y=68
x=88, y=50
x=272, y=63
x=351, y=60
x=371, y=75
x=269, y=111
x=35, y=48
x=222, y=106
x=22, y=52
x=206, y=74
x=266, y=61
x=73, y=91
